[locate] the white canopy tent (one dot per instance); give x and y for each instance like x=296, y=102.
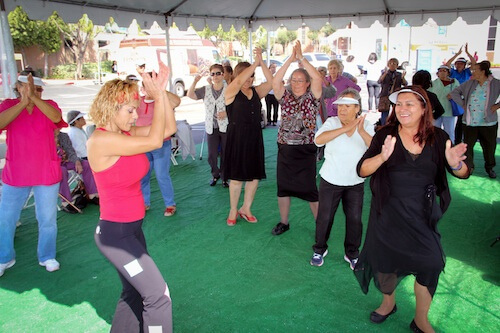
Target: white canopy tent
x=271, y=14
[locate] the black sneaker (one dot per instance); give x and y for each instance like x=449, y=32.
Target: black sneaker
x=280, y=228
x=225, y=184
x=213, y=182
x=491, y=173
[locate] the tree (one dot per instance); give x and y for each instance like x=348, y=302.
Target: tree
x=260, y=38
x=327, y=30
x=313, y=35
x=76, y=37
x=285, y=37
x=48, y=39
x=22, y=29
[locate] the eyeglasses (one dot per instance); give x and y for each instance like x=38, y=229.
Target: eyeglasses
x=216, y=74
x=298, y=81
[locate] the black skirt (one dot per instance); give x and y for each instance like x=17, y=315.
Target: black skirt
x=296, y=171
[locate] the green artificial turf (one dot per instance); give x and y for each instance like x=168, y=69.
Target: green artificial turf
x=243, y=279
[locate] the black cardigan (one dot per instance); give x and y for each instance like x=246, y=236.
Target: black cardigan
x=379, y=181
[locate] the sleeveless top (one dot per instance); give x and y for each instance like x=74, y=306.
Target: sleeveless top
x=119, y=188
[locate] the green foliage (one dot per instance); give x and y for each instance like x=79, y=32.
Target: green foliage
x=327, y=30
x=22, y=29
x=69, y=71
x=284, y=37
x=48, y=36
x=260, y=38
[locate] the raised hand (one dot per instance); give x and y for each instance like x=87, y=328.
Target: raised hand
x=388, y=147
x=454, y=155
x=162, y=77
x=258, y=56
x=298, y=50
x=152, y=85
x=361, y=123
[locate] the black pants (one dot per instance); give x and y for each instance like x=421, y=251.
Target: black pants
x=214, y=141
x=459, y=132
x=487, y=136
x=271, y=101
x=374, y=89
x=145, y=303
x=352, y=202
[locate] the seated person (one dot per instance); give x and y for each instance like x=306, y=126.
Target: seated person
x=69, y=161
x=76, y=133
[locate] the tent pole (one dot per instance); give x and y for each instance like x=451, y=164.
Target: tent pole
x=387, y=37
x=250, y=41
x=9, y=68
x=169, y=60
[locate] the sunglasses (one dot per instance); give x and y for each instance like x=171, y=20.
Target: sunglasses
x=216, y=74
x=39, y=89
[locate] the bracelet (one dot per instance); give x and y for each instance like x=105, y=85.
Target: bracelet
x=302, y=59
x=458, y=167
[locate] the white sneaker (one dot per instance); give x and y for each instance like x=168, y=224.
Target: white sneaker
x=7, y=265
x=50, y=265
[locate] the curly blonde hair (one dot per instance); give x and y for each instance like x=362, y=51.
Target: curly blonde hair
x=110, y=98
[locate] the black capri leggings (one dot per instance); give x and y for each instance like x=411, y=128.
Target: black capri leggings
x=145, y=304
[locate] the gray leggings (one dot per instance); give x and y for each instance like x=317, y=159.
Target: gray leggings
x=145, y=304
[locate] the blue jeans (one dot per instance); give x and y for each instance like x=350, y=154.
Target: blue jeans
x=159, y=159
x=13, y=198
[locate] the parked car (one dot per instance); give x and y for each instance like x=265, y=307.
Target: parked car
x=315, y=59
x=259, y=76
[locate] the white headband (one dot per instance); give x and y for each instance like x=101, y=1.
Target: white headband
x=36, y=80
x=394, y=96
x=346, y=100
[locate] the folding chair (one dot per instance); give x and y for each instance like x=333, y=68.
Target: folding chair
x=73, y=180
x=175, y=150
x=200, y=128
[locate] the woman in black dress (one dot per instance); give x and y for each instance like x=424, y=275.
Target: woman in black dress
x=407, y=160
x=244, y=159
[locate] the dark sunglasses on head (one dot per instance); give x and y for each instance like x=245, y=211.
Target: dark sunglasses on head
x=216, y=73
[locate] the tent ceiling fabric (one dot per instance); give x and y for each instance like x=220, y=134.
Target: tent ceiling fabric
x=269, y=13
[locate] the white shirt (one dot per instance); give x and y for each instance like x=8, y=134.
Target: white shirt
x=342, y=154
x=78, y=140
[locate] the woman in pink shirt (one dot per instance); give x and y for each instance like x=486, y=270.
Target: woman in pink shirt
x=32, y=164
x=116, y=153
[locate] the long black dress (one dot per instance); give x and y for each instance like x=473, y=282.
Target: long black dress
x=402, y=237
x=244, y=157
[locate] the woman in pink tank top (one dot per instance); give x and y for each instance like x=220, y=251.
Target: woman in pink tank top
x=116, y=153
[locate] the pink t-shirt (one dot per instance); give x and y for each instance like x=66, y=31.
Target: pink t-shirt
x=145, y=112
x=31, y=149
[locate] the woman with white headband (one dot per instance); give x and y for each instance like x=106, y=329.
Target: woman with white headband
x=407, y=161
x=346, y=138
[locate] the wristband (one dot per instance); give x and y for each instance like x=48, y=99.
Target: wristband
x=458, y=167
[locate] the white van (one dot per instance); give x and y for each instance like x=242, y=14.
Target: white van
x=189, y=54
